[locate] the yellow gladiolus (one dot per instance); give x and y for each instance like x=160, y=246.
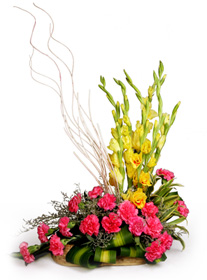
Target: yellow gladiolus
x=135, y=178
x=126, y=120
x=161, y=142
x=114, y=133
x=152, y=114
x=114, y=159
x=124, y=130
x=115, y=176
x=144, y=179
x=128, y=154
x=127, y=142
x=114, y=145
x=136, y=160
x=146, y=146
x=127, y=195
x=152, y=161
x=138, y=198
x=130, y=170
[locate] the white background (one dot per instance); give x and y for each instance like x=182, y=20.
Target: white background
x=36, y=157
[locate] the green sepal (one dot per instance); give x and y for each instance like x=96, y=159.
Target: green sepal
x=105, y=256
x=82, y=256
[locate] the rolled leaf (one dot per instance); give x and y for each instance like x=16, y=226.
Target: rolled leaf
x=124, y=237
x=132, y=252
x=82, y=256
x=105, y=256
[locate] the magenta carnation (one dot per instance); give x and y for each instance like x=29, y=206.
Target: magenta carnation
x=149, y=210
x=28, y=258
x=63, y=226
x=56, y=246
x=73, y=203
x=90, y=225
x=107, y=202
x=153, y=227
x=166, y=174
x=96, y=191
x=42, y=230
x=136, y=225
x=111, y=223
x=182, y=208
x=127, y=210
x=165, y=241
x=154, y=251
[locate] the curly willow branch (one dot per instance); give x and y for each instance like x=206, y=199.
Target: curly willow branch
x=89, y=143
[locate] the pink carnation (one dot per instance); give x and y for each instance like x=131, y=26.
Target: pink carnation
x=153, y=227
x=42, y=230
x=56, y=246
x=25, y=253
x=126, y=211
x=73, y=203
x=136, y=225
x=182, y=208
x=154, y=251
x=166, y=174
x=111, y=223
x=90, y=225
x=96, y=191
x=149, y=210
x=107, y=202
x=165, y=241
x=63, y=226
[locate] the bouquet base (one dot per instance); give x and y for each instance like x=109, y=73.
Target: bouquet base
x=121, y=261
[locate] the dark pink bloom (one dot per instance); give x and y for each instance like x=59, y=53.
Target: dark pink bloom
x=90, y=225
x=111, y=223
x=154, y=251
x=136, y=225
x=127, y=210
x=42, y=230
x=166, y=174
x=182, y=208
x=63, y=226
x=28, y=258
x=149, y=210
x=73, y=203
x=107, y=202
x=165, y=241
x=56, y=246
x=153, y=227
x=96, y=191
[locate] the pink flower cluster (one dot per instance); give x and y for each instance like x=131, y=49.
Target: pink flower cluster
x=111, y=223
x=96, y=191
x=28, y=258
x=158, y=247
x=42, y=230
x=73, y=203
x=182, y=208
x=107, y=202
x=63, y=227
x=166, y=174
x=126, y=211
x=56, y=246
x=90, y=225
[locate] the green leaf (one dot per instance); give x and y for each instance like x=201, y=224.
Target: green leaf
x=82, y=256
x=176, y=237
x=105, y=256
x=121, y=238
x=176, y=221
x=168, y=214
x=132, y=252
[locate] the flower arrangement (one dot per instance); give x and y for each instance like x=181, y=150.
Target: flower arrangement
x=133, y=211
